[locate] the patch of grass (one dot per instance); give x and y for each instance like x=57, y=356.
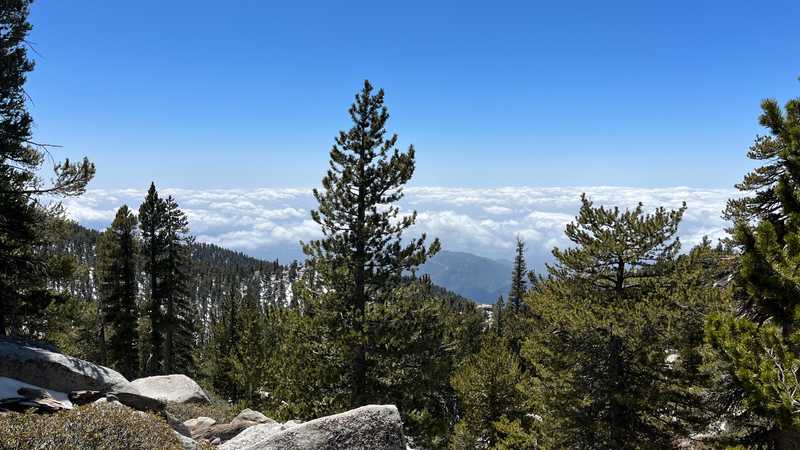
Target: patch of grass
x=95, y=427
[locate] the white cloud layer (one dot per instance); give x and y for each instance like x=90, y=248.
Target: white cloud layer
x=269, y=222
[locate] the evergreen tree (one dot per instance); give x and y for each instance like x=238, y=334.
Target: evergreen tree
x=519, y=277
x=486, y=385
x=599, y=345
x=179, y=317
x=24, y=223
x=227, y=326
x=117, y=253
x=362, y=256
x=151, y=223
x=759, y=347
x=498, y=311
x=514, y=326
x=251, y=355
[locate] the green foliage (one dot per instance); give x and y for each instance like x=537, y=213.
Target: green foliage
x=117, y=254
x=25, y=268
x=486, y=385
x=601, y=334
x=95, y=427
x=519, y=277
x=766, y=367
x=362, y=256
x=756, y=346
x=417, y=337
x=414, y=348
x=166, y=248
x=251, y=358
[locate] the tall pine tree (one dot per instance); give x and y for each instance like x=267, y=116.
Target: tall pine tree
x=759, y=346
x=362, y=255
x=117, y=255
x=519, y=277
x=166, y=246
x=151, y=223
x=24, y=221
x=179, y=311
x=598, y=348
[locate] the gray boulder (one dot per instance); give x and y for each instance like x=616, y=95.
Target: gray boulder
x=131, y=397
x=222, y=431
x=373, y=427
x=172, y=389
x=199, y=422
x=197, y=425
x=186, y=443
x=254, y=416
x=252, y=435
x=52, y=370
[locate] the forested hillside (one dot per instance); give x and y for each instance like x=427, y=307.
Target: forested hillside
x=629, y=340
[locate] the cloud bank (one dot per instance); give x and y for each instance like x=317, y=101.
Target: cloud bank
x=269, y=222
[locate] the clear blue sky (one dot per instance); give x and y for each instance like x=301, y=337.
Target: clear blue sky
x=211, y=94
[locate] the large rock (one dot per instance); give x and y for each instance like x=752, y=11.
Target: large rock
x=254, y=416
x=133, y=398
x=52, y=370
x=222, y=431
x=373, y=427
x=16, y=395
x=186, y=443
x=172, y=389
x=252, y=435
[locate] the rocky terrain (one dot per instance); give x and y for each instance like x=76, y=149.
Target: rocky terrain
x=47, y=382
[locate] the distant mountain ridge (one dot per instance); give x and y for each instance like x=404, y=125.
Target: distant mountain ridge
x=475, y=277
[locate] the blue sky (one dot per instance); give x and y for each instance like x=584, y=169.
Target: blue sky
x=245, y=94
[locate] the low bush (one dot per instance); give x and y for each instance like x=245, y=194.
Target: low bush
x=87, y=427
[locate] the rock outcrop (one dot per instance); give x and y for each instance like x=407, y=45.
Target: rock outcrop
x=51, y=370
x=254, y=416
x=17, y=395
x=222, y=431
x=373, y=427
x=253, y=435
x=171, y=388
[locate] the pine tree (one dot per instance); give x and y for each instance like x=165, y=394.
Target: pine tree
x=519, y=277
x=117, y=254
x=179, y=317
x=514, y=326
x=362, y=255
x=599, y=345
x=499, y=312
x=486, y=385
x=251, y=354
x=151, y=223
x=759, y=349
x=24, y=222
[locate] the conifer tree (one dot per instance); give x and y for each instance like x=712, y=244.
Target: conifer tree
x=117, y=253
x=599, y=345
x=151, y=222
x=759, y=348
x=166, y=247
x=519, y=277
x=24, y=221
x=486, y=385
x=498, y=311
x=179, y=311
x=362, y=255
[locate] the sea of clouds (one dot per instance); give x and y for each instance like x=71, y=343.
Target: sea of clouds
x=269, y=222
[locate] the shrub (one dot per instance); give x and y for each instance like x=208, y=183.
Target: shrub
x=87, y=427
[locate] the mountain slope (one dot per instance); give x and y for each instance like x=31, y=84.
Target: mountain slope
x=472, y=276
